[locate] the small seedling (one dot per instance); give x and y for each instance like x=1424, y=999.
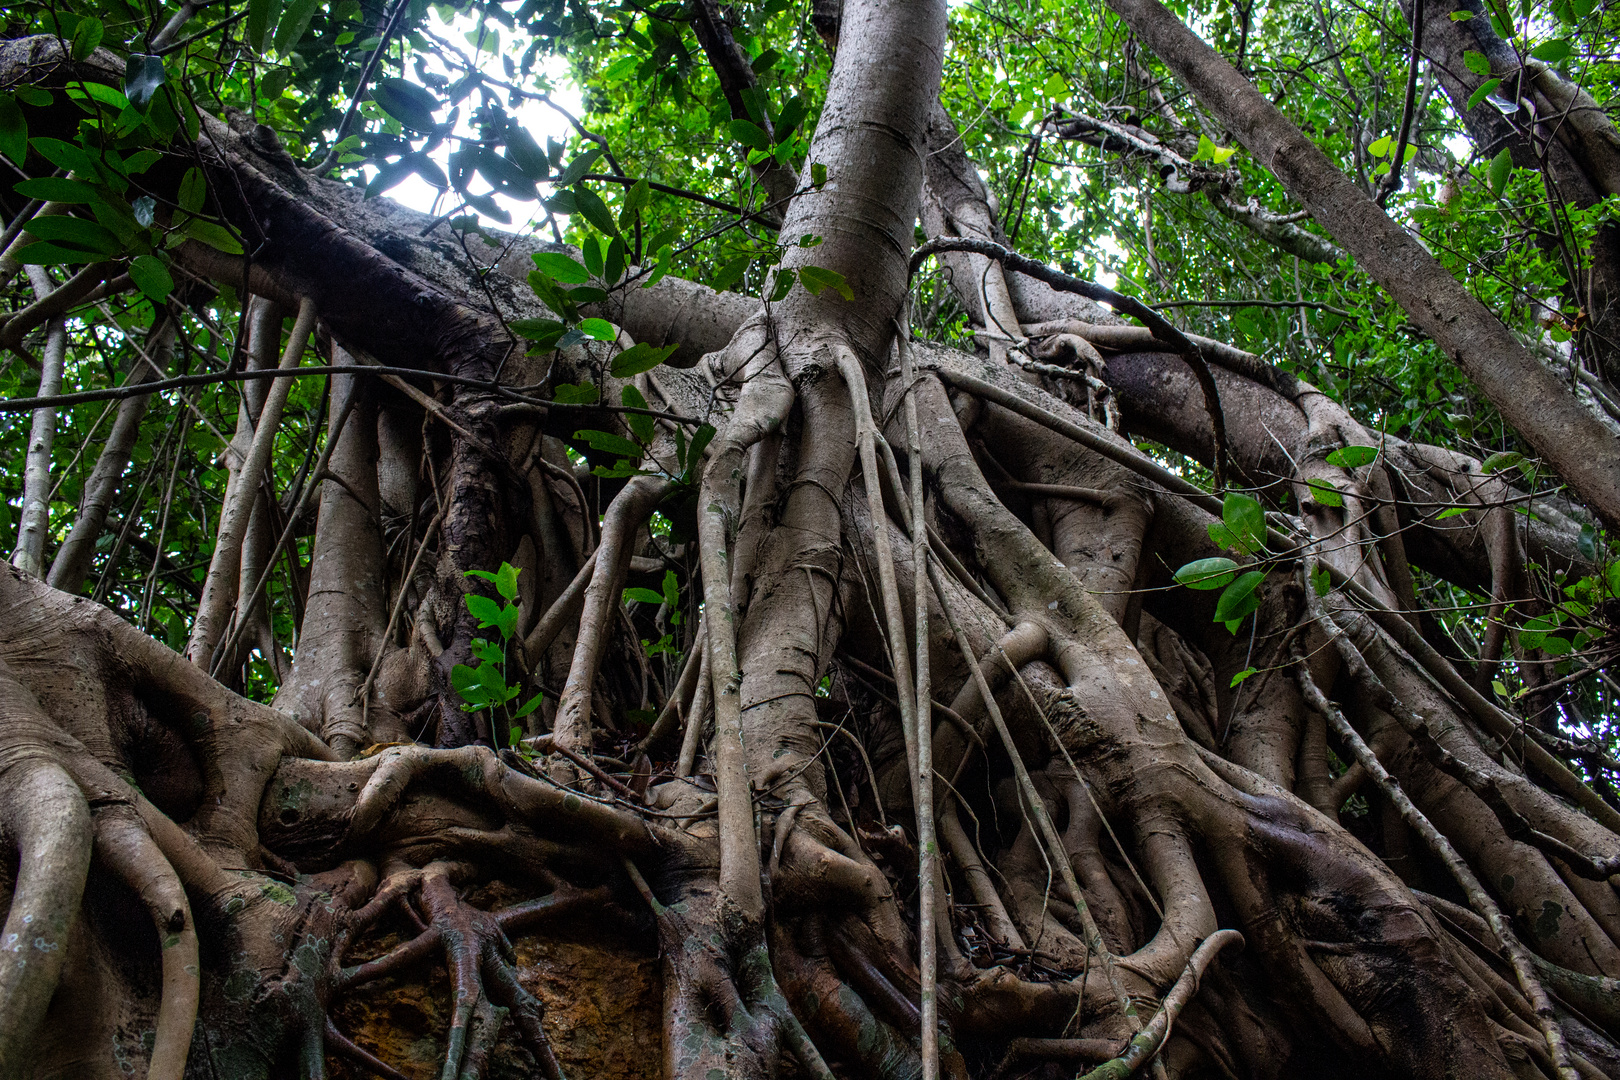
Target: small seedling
x=486, y=686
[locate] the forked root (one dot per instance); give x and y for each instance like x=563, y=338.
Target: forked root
x=485, y=990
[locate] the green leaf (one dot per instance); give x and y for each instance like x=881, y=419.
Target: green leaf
x=1476, y=62
x=1506, y=459
x=576, y=394
x=613, y=444
x=13, y=130
x=406, y=102
x=1224, y=538
x=213, y=235
x=1533, y=634
x=1244, y=515
x=672, y=588
x=74, y=232
x=1500, y=169
x=730, y=272
x=506, y=623
x=1551, y=52
x=1587, y=543
x=818, y=174
x=86, y=36
x=598, y=330
x=1056, y=86
x=1321, y=580
x=275, y=83
x=783, y=285
x=294, y=21
x=466, y=682
x=1207, y=573
x=642, y=596
x=663, y=238
x=594, y=210
x=1557, y=646
x=1240, y=597
x=694, y=453
x=45, y=253
x=65, y=155
x=1461, y=16
x=621, y=68
x=1451, y=511
x=488, y=651
x=261, y=20
x=638, y=358
x=1325, y=493
x=640, y=424
x=193, y=191
x=143, y=77
x=765, y=61
x=560, y=267
x=792, y=115
x=749, y=134
x=482, y=608
x=554, y=298
x=1382, y=146
x=1244, y=674
x=56, y=189
x=151, y=277
x=579, y=167
x=1485, y=90
x=592, y=251
x=548, y=330
x=613, y=262
x=635, y=199
x=1353, y=457
x=506, y=581
x=525, y=709
x=526, y=154
x=818, y=280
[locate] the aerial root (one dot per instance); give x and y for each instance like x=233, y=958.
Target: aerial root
x=485, y=989
x=1517, y=955
x=44, y=810
x=127, y=849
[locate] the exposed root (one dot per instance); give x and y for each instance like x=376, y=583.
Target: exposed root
x=124, y=846
x=485, y=990
x=1478, y=898
x=46, y=816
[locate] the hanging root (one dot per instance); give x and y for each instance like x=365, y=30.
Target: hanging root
x=1478, y=898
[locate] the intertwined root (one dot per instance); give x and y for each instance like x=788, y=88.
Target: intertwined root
x=485, y=989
